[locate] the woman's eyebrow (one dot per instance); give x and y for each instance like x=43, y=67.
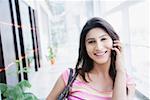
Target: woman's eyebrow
x=103, y=35
x=90, y=39
x=94, y=38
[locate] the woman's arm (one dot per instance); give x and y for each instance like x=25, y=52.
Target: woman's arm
x=57, y=89
x=119, y=90
x=120, y=85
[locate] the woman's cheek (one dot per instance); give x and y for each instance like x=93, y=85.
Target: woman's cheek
x=109, y=45
x=88, y=49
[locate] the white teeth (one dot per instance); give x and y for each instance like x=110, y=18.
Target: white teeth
x=100, y=54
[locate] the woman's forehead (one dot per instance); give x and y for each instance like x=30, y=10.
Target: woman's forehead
x=96, y=32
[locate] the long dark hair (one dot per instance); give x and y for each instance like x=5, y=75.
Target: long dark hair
x=85, y=63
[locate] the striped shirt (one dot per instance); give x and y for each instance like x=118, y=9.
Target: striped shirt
x=82, y=91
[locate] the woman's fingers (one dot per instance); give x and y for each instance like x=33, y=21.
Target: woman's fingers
x=116, y=49
x=117, y=44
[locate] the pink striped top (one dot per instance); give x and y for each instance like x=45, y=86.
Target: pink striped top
x=82, y=91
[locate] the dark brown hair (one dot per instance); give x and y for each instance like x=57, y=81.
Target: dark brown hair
x=85, y=63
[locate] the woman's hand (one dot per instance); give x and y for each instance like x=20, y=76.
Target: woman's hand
x=119, y=91
x=117, y=47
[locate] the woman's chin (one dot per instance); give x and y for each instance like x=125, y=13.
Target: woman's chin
x=101, y=61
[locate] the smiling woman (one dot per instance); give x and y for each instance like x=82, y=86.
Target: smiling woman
x=100, y=68
x=98, y=45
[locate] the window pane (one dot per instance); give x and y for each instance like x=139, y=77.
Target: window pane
x=140, y=46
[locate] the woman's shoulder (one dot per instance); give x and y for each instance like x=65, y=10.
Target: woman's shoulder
x=65, y=74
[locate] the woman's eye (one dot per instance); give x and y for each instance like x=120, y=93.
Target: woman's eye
x=91, y=42
x=103, y=39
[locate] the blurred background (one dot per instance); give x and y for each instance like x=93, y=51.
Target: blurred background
x=39, y=39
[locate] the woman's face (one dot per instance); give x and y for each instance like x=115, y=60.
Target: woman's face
x=98, y=45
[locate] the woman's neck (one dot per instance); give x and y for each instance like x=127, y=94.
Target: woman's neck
x=102, y=69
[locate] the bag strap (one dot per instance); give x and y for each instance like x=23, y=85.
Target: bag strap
x=66, y=90
x=70, y=75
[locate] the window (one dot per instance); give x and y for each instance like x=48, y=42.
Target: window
x=140, y=47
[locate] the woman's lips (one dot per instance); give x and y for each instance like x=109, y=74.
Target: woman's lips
x=100, y=53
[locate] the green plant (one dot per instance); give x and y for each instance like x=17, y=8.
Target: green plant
x=51, y=53
x=18, y=71
x=24, y=69
x=17, y=92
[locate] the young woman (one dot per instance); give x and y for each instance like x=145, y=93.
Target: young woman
x=100, y=66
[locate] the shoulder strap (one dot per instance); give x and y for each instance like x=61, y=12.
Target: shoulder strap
x=70, y=75
x=66, y=90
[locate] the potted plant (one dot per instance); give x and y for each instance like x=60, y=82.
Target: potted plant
x=51, y=55
x=17, y=92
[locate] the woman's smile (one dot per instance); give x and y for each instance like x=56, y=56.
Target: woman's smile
x=100, y=54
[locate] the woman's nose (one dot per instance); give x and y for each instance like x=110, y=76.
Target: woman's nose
x=99, y=46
